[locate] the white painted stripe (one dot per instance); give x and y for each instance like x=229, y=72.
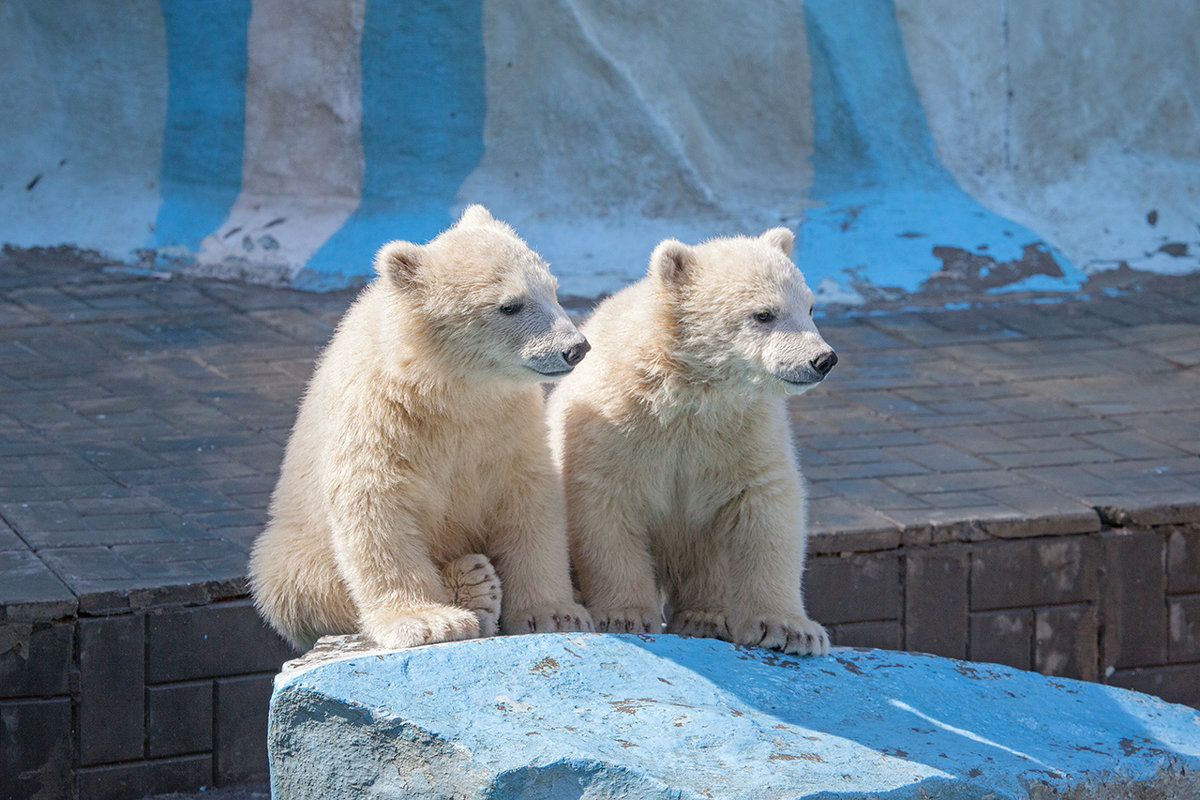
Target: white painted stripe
x=302, y=166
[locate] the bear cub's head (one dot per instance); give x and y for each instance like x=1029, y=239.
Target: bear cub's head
x=483, y=300
x=743, y=312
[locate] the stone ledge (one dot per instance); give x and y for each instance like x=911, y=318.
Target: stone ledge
x=569, y=715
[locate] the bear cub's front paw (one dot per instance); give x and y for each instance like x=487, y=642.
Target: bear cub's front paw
x=699, y=622
x=472, y=583
x=565, y=618
x=791, y=634
x=423, y=625
x=628, y=620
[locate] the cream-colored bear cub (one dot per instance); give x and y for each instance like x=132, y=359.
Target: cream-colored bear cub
x=419, y=457
x=674, y=444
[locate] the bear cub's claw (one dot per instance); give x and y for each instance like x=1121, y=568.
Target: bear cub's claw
x=628, y=620
x=565, y=618
x=698, y=622
x=423, y=625
x=796, y=635
x=473, y=584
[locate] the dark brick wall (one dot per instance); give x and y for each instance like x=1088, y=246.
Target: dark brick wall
x=1120, y=606
x=123, y=706
x=172, y=699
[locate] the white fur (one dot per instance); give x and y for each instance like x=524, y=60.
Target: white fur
x=421, y=440
x=674, y=444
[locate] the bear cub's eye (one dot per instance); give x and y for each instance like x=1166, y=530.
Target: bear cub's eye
x=765, y=316
x=508, y=309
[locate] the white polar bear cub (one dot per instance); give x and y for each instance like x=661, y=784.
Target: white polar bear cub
x=675, y=450
x=421, y=442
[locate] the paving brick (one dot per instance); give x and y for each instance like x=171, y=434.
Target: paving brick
x=888, y=635
x=9, y=540
x=183, y=774
x=945, y=500
x=865, y=442
x=874, y=493
x=35, y=659
x=935, y=601
x=1183, y=620
x=1183, y=560
x=29, y=591
x=1039, y=503
x=837, y=515
x=1175, y=684
x=192, y=497
x=111, y=681
x=35, y=748
x=885, y=468
x=1002, y=637
x=1066, y=641
x=179, y=719
x=112, y=782
x=1146, y=509
x=240, y=746
x=929, y=526
x=1080, y=454
x=218, y=639
x=931, y=482
x=865, y=587
x=1134, y=607
x=117, y=578
x=115, y=458
x=1033, y=572
x=939, y=457
x=1127, y=445
x=977, y=440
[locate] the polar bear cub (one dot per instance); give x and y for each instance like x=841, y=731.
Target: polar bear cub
x=675, y=450
x=419, y=457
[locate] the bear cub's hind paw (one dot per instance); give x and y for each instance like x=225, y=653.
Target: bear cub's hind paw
x=791, y=634
x=698, y=622
x=423, y=625
x=473, y=584
x=567, y=617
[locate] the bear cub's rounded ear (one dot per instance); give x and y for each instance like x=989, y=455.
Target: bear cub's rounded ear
x=671, y=261
x=399, y=262
x=475, y=214
x=781, y=238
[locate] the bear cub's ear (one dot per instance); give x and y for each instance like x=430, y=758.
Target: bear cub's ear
x=781, y=238
x=399, y=262
x=475, y=214
x=672, y=261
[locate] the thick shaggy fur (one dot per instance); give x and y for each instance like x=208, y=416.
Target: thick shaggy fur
x=420, y=441
x=674, y=444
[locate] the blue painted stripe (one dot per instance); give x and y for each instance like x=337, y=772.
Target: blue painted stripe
x=422, y=128
x=206, y=117
x=868, y=123
x=886, y=201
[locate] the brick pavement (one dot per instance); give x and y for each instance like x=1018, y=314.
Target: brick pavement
x=142, y=421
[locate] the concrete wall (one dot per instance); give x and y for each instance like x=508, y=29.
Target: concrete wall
x=911, y=144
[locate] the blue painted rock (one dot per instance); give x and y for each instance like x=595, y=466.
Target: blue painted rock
x=593, y=715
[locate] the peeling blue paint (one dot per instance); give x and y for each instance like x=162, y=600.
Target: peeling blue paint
x=422, y=129
x=206, y=119
x=886, y=200
x=570, y=715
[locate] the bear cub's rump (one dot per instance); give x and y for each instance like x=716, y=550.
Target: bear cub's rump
x=418, y=480
x=675, y=450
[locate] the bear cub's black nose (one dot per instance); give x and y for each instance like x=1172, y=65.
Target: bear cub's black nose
x=575, y=353
x=824, y=362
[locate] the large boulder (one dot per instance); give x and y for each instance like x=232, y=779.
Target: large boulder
x=593, y=716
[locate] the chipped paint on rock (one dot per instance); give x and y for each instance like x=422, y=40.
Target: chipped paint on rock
x=592, y=715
